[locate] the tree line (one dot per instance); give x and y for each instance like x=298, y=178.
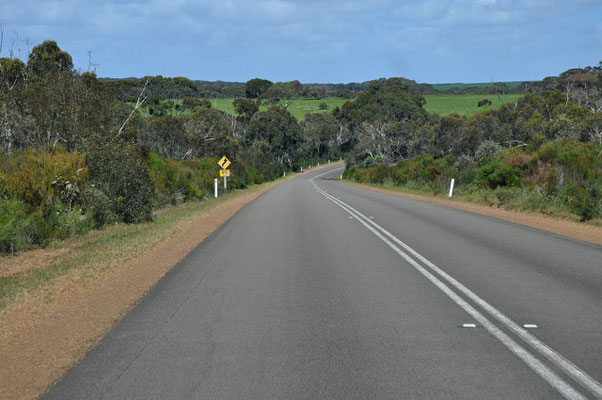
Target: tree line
x=75, y=154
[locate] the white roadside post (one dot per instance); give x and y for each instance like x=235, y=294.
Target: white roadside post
x=451, y=187
x=225, y=182
x=301, y=169
x=215, y=187
x=284, y=174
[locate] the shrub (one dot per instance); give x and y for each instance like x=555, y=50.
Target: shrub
x=487, y=150
x=401, y=175
x=70, y=223
x=18, y=230
x=468, y=174
x=496, y=173
x=28, y=177
x=587, y=203
x=118, y=170
x=581, y=158
x=507, y=195
x=98, y=205
x=462, y=162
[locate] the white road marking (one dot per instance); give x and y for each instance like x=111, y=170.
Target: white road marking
x=568, y=367
x=469, y=325
x=530, y=326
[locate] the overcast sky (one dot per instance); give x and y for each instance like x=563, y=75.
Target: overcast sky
x=431, y=41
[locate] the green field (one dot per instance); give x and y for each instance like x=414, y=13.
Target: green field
x=298, y=108
x=464, y=105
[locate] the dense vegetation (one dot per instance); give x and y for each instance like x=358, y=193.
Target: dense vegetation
x=78, y=152
x=542, y=152
x=75, y=156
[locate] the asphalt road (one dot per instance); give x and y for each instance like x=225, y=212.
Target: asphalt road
x=320, y=290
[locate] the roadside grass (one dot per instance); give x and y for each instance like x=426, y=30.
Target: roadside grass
x=464, y=105
x=100, y=249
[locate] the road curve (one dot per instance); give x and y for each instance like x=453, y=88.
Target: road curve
x=318, y=289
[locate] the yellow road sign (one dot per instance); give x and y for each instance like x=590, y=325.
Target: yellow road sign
x=224, y=162
x=224, y=172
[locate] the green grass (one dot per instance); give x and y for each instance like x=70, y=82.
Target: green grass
x=298, y=108
x=99, y=249
x=304, y=106
x=464, y=105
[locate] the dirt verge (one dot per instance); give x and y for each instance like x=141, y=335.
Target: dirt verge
x=571, y=229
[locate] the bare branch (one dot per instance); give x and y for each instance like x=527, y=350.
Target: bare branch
x=514, y=143
x=141, y=99
x=90, y=63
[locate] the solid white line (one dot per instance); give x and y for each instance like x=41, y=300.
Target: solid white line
x=534, y=363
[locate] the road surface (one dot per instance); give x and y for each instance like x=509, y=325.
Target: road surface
x=320, y=290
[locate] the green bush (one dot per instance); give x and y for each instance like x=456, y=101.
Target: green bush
x=98, y=205
x=70, y=223
x=401, y=174
x=587, y=203
x=581, y=158
x=18, y=230
x=487, y=150
x=507, y=195
x=39, y=178
x=495, y=174
x=119, y=171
